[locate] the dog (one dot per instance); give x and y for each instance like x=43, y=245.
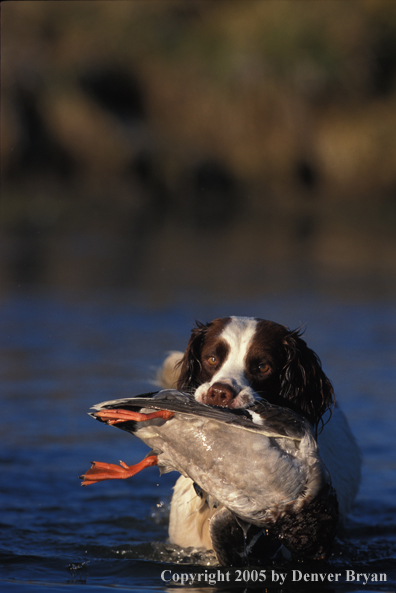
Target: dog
x=236, y=361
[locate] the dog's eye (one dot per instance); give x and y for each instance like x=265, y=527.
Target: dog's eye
x=264, y=368
x=212, y=360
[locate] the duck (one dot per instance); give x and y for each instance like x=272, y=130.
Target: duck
x=258, y=469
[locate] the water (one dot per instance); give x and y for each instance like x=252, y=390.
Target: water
x=61, y=355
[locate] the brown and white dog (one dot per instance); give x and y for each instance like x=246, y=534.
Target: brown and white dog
x=235, y=361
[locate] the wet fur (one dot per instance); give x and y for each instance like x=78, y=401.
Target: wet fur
x=297, y=382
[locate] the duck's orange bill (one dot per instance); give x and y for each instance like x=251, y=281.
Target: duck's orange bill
x=99, y=471
x=117, y=416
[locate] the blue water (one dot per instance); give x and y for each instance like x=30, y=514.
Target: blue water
x=60, y=355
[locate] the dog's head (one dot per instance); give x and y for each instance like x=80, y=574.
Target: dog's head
x=234, y=361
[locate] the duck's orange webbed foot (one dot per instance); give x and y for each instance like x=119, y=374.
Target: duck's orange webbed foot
x=99, y=471
x=117, y=416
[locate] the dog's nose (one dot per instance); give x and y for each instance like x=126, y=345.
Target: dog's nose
x=219, y=394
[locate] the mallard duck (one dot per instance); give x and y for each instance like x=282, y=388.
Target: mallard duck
x=258, y=469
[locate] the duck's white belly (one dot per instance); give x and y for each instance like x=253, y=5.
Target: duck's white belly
x=252, y=475
x=189, y=517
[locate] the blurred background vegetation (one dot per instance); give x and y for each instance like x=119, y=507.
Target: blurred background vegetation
x=178, y=144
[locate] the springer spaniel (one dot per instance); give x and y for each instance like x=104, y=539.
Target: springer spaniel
x=233, y=362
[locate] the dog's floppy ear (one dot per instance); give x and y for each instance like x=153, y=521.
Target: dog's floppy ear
x=303, y=382
x=190, y=364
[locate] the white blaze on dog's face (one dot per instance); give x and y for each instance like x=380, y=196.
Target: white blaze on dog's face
x=227, y=354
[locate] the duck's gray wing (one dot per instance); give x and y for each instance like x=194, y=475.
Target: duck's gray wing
x=263, y=417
